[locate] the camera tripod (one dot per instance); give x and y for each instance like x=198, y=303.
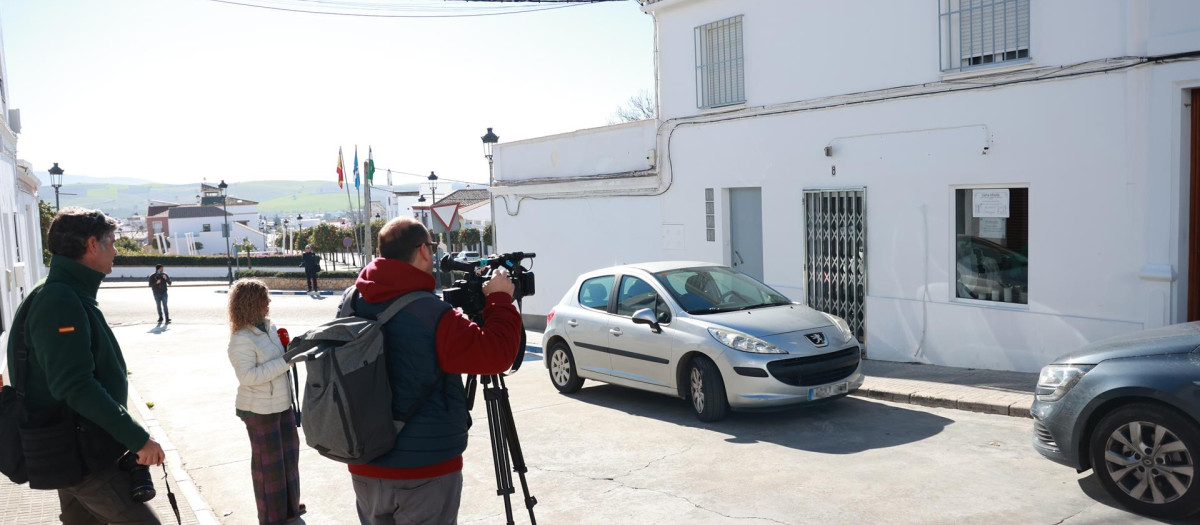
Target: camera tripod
x=505, y=443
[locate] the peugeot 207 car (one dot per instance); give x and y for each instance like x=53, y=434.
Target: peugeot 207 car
x=1128, y=408
x=702, y=332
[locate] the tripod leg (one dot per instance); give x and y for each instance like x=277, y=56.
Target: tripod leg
x=514, y=446
x=491, y=399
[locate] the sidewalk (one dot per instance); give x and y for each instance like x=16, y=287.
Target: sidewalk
x=20, y=505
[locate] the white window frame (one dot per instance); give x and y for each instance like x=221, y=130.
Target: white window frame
x=720, y=63
x=1001, y=37
x=951, y=278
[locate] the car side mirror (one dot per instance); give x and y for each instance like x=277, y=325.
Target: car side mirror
x=646, y=316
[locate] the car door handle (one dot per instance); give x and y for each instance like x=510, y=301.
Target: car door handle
x=572, y=323
x=614, y=331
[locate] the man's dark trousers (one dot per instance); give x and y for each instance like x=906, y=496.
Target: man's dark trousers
x=104, y=498
x=160, y=302
x=310, y=279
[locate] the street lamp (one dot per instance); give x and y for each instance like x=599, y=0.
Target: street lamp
x=56, y=176
x=283, y=242
x=225, y=207
x=490, y=139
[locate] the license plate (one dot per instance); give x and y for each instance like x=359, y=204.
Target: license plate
x=828, y=390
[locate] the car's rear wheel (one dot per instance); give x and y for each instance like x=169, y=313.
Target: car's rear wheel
x=706, y=390
x=562, y=369
x=1145, y=456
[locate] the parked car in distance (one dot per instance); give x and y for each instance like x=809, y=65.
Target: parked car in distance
x=699, y=331
x=467, y=257
x=1129, y=409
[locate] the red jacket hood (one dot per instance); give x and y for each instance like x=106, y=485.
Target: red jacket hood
x=385, y=279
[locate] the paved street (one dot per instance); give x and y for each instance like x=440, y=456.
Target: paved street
x=614, y=456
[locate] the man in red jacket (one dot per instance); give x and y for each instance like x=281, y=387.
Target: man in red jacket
x=429, y=346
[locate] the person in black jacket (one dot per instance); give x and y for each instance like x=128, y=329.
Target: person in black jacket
x=312, y=264
x=158, y=284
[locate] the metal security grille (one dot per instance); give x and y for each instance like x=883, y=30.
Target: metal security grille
x=835, y=265
x=978, y=33
x=719, y=79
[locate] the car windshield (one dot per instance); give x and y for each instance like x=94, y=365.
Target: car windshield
x=713, y=289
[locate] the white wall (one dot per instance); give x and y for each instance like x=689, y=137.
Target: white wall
x=1100, y=155
x=597, y=151
x=817, y=48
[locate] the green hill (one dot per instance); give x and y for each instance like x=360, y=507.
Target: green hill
x=274, y=197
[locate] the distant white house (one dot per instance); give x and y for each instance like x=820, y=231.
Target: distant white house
x=975, y=184
x=197, y=228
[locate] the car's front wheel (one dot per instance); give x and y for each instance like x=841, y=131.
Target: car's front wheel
x=562, y=369
x=1145, y=457
x=706, y=390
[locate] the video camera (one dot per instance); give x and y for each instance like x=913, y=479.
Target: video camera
x=467, y=293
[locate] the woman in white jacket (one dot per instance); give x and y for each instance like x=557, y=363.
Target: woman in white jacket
x=264, y=403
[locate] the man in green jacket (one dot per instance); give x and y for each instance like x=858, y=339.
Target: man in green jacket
x=76, y=363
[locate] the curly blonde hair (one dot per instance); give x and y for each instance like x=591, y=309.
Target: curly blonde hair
x=247, y=300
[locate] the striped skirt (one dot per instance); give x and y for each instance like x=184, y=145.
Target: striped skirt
x=274, y=465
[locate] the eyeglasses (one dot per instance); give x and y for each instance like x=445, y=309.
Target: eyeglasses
x=432, y=246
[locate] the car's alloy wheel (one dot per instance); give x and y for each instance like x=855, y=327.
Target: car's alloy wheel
x=706, y=390
x=562, y=369
x=1144, y=456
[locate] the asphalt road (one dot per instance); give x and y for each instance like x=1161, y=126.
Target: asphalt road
x=609, y=455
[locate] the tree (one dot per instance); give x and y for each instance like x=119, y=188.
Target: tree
x=638, y=107
x=469, y=237
x=376, y=225
x=127, y=245
x=487, y=235
x=452, y=239
x=46, y=216
x=325, y=237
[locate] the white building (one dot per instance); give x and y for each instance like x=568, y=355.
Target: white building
x=197, y=228
x=984, y=184
x=20, y=219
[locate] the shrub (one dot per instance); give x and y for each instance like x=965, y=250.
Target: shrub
x=299, y=275
x=200, y=260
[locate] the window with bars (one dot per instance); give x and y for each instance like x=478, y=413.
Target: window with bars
x=981, y=33
x=719, y=64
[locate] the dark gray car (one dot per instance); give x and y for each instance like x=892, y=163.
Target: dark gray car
x=1128, y=408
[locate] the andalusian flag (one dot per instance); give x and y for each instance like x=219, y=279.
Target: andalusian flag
x=341, y=169
x=356, y=167
x=370, y=166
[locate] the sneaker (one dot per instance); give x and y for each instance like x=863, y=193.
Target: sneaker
x=159, y=320
x=168, y=321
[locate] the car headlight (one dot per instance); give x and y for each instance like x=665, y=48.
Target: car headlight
x=1056, y=380
x=841, y=325
x=744, y=343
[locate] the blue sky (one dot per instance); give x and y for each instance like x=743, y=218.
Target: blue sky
x=182, y=90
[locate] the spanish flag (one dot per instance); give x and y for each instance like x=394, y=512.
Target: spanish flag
x=341, y=169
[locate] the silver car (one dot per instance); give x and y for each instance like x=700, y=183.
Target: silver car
x=699, y=331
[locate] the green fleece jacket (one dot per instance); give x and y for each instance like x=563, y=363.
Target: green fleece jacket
x=74, y=357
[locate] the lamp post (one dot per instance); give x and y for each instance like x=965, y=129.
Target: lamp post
x=56, y=176
x=225, y=207
x=299, y=228
x=490, y=139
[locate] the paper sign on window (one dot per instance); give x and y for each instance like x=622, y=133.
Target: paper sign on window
x=990, y=203
x=991, y=228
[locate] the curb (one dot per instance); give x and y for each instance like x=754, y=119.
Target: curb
x=183, y=482
x=1014, y=405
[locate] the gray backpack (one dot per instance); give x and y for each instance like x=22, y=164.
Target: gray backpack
x=347, y=395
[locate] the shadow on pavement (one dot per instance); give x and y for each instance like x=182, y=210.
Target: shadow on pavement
x=158, y=329
x=1090, y=485
x=842, y=426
